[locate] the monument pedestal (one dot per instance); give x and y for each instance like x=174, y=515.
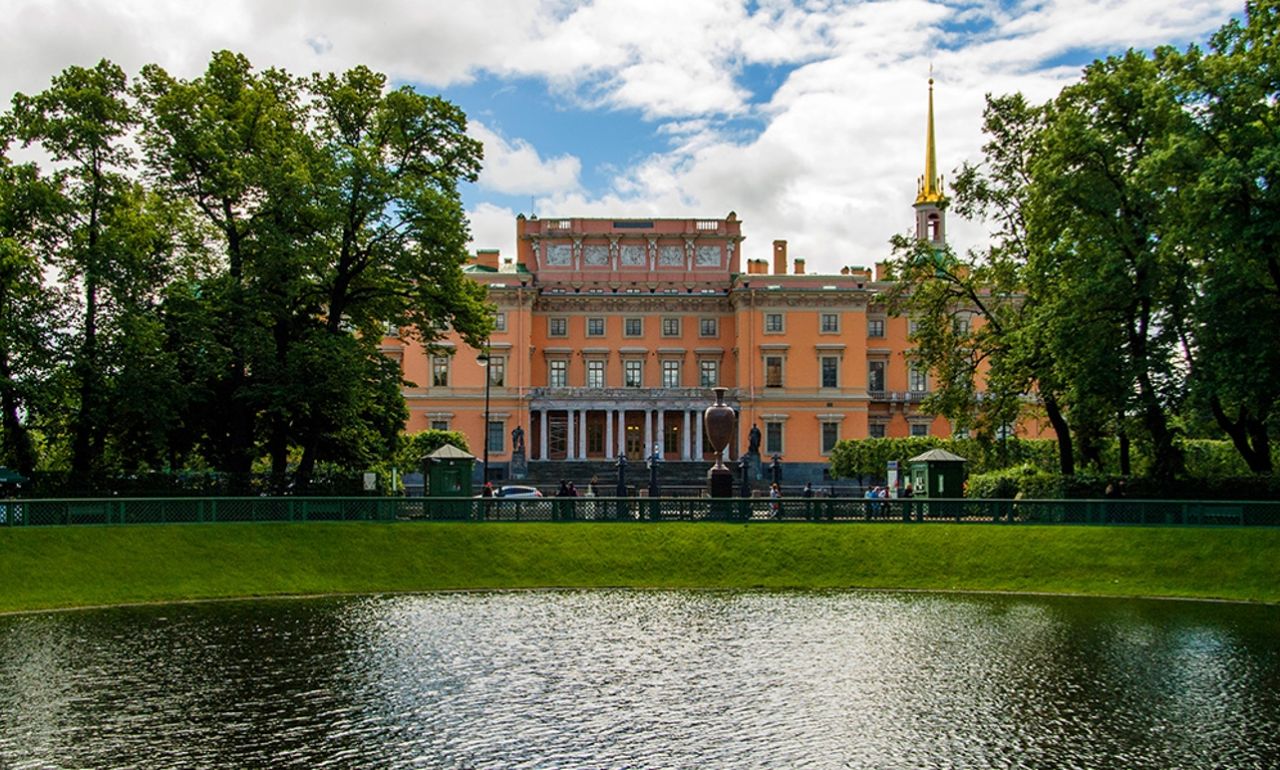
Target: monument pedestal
x=720, y=481
x=519, y=465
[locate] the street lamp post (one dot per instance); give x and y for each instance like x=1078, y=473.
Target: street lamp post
x=483, y=360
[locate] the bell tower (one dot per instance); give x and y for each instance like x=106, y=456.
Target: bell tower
x=931, y=203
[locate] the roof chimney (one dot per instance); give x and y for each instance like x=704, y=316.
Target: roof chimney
x=487, y=258
x=779, y=257
x=799, y=266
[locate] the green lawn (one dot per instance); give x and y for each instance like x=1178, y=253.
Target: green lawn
x=48, y=567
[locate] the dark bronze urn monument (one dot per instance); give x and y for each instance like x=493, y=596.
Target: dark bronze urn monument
x=719, y=420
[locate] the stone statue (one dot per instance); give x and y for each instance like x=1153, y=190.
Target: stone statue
x=517, y=439
x=753, y=440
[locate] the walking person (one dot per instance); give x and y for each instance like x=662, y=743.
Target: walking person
x=775, y=498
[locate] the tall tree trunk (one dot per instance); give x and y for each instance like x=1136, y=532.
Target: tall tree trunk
x=1066, y=454
x=18, y=448
x=1248, y=435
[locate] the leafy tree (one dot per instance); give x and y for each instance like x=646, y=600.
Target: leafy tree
x=979, y=332
x=1231, y=221
x=229, y=144
x=1119, y=292
x=412, y=447
x=29, y=310
x=105, y=243
x=394, y=238
x=336, y=207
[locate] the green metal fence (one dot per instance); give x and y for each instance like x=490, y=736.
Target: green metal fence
x=15, y=512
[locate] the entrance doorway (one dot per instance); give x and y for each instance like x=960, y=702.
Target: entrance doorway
x=635, y=442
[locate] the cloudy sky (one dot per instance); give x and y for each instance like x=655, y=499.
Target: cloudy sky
x=806, y=117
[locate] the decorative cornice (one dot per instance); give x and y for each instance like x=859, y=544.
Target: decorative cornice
x=765, y=299
x=632, y=303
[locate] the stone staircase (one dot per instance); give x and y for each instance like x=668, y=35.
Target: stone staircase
x=675, y=477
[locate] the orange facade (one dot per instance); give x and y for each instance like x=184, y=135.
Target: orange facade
x=611, y=334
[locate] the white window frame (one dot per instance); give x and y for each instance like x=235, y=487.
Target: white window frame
x=594, y=367
x=669, y=366
x=560, y=367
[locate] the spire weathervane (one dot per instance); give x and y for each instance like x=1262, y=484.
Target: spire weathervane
x=930, y=183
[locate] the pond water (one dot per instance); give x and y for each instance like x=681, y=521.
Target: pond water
x=636, y=679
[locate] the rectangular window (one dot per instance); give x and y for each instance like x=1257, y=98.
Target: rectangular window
x=876, y=430
x=595, y=438
x=830, y=323
x=830, y=435
x=773, y=371
x=830, y=372
x=961, y=326
x=633, y=327
x=773, y=438
x=919, y=429
x=440, y=371
x=439, y=425
x=595, y=327
x=595, y=374
x=671, y=327
x=773, y=322
x=875, y=327
x=500, y=322
x=710, y=373
x=497, y=372
x=558, y=374
x=557, y=327
x=633, y=374
x=670, y=374
x=708, y=327
x=918, y=380
x=913, y=327
x=497, y=431
x=875, y=376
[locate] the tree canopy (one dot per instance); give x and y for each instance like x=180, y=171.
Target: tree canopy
x=203, y=273
x=1133, y=260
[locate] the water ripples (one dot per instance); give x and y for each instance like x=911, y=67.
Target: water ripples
x=634, y=679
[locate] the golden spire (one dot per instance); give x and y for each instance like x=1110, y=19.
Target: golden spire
x=930, y=188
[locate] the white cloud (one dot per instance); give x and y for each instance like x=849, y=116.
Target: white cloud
x=493, y=227
x=515, y=167
x=833, y=171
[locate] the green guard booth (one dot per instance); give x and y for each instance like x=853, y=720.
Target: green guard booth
x=937, y=473
x=447, y=473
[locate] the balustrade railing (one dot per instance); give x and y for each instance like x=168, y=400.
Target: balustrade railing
x=17, y=512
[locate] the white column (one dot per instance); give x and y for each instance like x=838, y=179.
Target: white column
x=648, y=432
x=608, y=434
x=582, y=435
x=684, y=438
x=661, y=432
x=697, y=436
x=542, y=442
x=622, y=432
x=568, y=434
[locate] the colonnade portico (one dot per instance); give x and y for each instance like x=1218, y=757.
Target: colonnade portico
x=622, y=426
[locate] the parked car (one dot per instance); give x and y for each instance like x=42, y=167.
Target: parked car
x=515, y=492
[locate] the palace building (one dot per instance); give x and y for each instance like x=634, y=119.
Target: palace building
x=610, y=334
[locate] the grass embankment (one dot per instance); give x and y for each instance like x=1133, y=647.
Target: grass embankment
x=79, y=566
